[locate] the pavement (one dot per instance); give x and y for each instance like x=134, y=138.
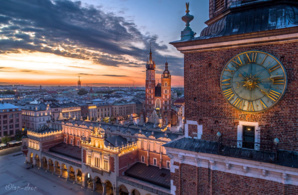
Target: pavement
x=10, y=150
x=15, y=179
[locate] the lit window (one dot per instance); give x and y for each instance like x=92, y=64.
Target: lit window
x=97, y=162
x=154, y=161
x=106, y=165
x=89, y=160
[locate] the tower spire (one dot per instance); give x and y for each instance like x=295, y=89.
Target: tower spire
x=150, y=54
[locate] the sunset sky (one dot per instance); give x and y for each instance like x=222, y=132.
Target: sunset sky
x=106, y=42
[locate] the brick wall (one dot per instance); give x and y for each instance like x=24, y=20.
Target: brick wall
x=196, y=180
x=205, y=103
x=126, y=160
x=152, y=155
x=112, y=164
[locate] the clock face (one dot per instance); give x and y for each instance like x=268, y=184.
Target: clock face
x=253, y=81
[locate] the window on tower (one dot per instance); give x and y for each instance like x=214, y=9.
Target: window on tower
x=219, y=4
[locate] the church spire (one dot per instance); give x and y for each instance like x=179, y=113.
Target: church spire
x=150, y=54
x=150, y=63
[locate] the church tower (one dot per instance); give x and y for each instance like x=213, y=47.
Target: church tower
x=150, y=85
x=79, y=83
x=166, y=95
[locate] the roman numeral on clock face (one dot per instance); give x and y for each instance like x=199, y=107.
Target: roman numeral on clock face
x=229, y=93
x=237, y=61
x=226, y=82
x=273, y=68
x=264, y=106
x=250, y=106
x=279, y=80
x=252, y=57
x=273, y=95
x=238, y=103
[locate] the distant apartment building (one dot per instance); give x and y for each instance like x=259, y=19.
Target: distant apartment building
x=123, y=109
x=35, y=115
x=89, y=111
x=104, y=110
x=68, y=111
x=10, y=119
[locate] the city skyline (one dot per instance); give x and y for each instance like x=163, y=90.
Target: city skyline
x=105, y=43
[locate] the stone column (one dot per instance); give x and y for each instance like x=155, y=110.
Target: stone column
x=104, y=188
x=68, y=171
x=94, y=185
x=61, y=170
x=116, y=191
x=83, y=180
x=75, y=178
x=47, y=167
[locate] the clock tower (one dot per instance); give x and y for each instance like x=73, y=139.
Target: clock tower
x=240, y=77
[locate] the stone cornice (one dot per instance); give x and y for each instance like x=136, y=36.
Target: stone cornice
x=240, y=40
x=237, y=166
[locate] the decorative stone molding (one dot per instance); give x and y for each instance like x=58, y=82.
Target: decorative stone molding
x=199, y=128
x=237, y=166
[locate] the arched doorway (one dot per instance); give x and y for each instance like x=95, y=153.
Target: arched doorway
x=51, y=166
x=44, y=163
x=71, y=176
x=123, y=190
x=135, y=192
x=89, y=181
x=79, y=176
x=37, y=161
x=98, y=185
x=31, y=158
x=64, y=171
x=57, y=168
x=109, y=188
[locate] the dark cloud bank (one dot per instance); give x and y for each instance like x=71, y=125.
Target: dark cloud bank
x=83, y=32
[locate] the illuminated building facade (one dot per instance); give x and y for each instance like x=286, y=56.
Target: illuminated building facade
x=10, y=119
x=104, y=158
x=240, y=101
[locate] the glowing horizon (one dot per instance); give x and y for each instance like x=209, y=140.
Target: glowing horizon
x=38, y=68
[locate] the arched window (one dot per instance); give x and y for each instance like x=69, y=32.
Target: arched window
x=157, y=103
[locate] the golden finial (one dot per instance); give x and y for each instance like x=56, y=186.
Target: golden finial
x=187, y=7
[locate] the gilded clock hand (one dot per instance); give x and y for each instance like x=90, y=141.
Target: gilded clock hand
x=263, y=91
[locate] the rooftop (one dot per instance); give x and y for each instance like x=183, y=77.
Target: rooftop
x=67, y=150
x=151, y=174
x=285, y=158
x=7, y=106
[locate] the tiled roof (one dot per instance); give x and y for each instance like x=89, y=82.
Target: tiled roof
x=151, y=174
x=285, y=158
x=67, y=150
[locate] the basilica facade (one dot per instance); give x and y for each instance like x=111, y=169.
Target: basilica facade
x=158, y=95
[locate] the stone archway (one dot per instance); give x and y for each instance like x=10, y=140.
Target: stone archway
x=109, y=188
x=57, y=168
x=98, y=185
x=79, y=176
x=135, y=192
x=37, y=160
x=89, y=181
x=51, y=166
x=44, y=163
x=123, y=190
x=31, y=158
x=64, y=171
x=71, y=175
